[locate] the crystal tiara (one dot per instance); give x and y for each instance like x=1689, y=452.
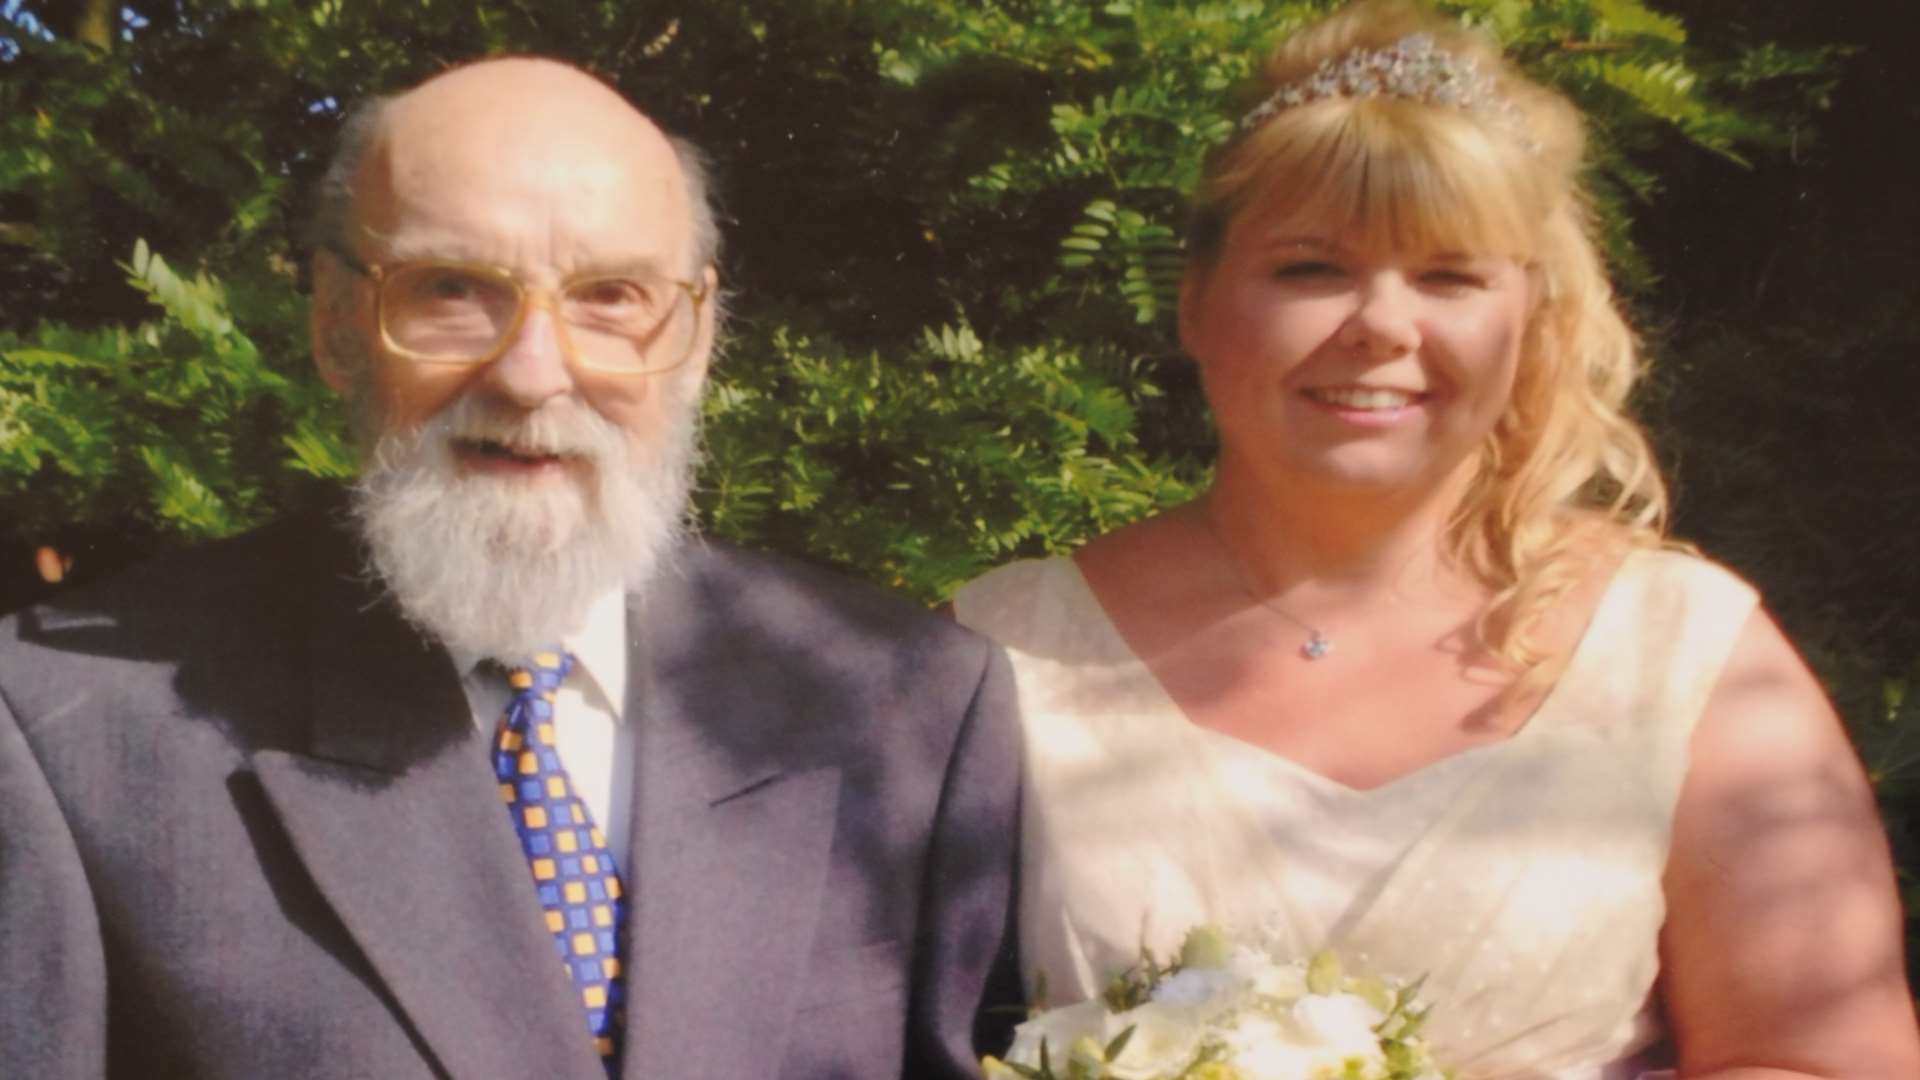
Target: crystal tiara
x=1413, y=68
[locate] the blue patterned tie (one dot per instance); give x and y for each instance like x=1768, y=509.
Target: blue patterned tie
x=578, y=883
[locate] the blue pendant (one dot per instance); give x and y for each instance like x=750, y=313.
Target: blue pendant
x=1316, y=646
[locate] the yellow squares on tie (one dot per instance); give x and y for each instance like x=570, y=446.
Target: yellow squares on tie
x=556, y=787
x=583, y=945
x=604, y=1046
x=595, y=997
x=610, y=967
x=556, y=922
x=506, y=793
x=613, y=888
x=564, y=841
x=589, y=864
x=520, y=680
x=529, y=763
x=602, y=915
x=543, y=869
x=536, y=817
x=544, y=659
x=575, y=892
x=511, y=741
x=546, y=735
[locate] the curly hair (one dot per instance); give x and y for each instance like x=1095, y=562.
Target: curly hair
x=1564, y=465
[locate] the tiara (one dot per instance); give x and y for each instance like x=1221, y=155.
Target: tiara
x=1413, y=68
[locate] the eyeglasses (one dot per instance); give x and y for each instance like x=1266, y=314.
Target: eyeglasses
x=438, y=312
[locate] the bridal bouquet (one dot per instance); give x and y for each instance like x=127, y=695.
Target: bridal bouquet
x=1227, y=1011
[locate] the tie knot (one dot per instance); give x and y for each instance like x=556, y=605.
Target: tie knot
x=541, y=674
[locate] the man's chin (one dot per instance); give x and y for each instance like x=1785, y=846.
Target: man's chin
x=488, y=566
x=499, y=599
x=529, y=521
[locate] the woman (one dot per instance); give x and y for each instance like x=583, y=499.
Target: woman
x=1418, y=679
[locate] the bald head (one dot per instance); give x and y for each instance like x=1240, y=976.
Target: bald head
x=526, y=86
x=454, y=132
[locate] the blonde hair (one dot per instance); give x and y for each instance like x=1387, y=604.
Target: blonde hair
x=1564, y=466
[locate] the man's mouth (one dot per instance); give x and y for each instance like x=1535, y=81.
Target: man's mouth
x=492, y=453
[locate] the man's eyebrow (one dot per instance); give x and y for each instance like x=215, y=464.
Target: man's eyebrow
x=449, y=249
x=638, y=266
x=460, y=250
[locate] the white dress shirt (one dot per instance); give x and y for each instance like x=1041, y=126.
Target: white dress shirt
x=594, y=741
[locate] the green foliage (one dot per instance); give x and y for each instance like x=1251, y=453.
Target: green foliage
x=1013, y=451
x=171, y=423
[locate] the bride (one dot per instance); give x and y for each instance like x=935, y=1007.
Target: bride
x=1419, y=679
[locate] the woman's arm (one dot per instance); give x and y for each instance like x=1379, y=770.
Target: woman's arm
x=1781, y=955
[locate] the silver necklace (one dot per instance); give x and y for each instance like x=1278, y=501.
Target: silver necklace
x=1317, y=645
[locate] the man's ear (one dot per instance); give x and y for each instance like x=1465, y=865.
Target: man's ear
x=329, y=317
x=709, y=315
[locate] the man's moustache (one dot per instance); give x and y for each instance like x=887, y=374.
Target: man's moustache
x=572, y=431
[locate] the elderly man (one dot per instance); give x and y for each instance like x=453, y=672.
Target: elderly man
x=492, y=774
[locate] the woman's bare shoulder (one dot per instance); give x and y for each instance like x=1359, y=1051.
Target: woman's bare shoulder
x=1783, y=940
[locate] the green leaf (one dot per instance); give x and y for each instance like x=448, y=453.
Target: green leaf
x=1118, y=1044
x=1324, y=975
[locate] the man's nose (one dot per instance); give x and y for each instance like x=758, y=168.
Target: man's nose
x=533, y=366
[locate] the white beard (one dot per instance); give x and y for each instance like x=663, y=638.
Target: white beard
x=500, y=567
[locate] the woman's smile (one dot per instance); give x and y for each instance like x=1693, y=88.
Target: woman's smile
x=1366, y=405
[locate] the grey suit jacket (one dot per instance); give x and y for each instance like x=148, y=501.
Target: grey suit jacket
x=248, y=830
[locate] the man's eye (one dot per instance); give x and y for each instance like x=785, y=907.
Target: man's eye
x=447, y=287
x=624, y=297
x=611, y=293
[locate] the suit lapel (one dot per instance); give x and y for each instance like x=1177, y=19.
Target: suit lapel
x=394, y=811
x=732, y=833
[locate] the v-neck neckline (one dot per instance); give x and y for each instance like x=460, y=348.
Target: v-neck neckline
x=1538, y=720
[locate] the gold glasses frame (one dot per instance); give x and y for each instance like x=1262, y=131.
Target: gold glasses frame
x=528, y=296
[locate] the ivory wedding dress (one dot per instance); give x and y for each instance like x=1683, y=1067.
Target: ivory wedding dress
x=1522, y=878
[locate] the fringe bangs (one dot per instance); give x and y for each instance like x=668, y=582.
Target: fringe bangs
x=1383, y=175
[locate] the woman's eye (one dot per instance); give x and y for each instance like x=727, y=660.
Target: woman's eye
x=1305, y=269
x=1453, y=278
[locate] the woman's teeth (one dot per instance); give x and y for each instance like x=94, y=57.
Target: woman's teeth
x=1362, y=398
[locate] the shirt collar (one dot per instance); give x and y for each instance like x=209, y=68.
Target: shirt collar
x=599, y=650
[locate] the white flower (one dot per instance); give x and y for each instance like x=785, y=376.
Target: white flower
x=1251, y=1015
x=1164, y=1042
x=1343, y=1023
x=1193, y=987
x=1284, y=981
x=1060, y=1029
x=1263, y=1048
x=1316, y=1036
